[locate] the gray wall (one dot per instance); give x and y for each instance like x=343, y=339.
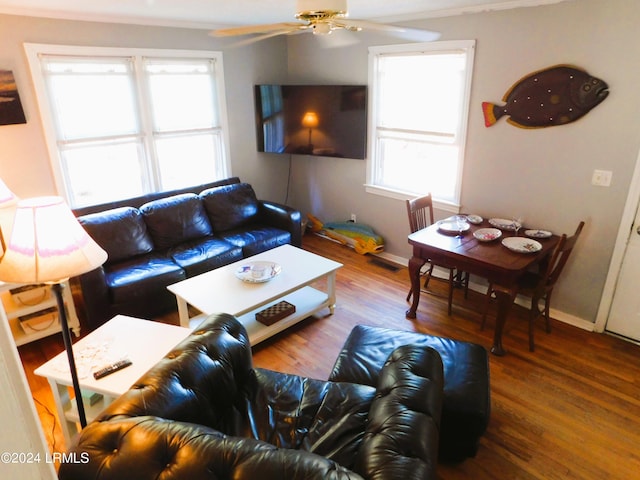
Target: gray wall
x=543, y=174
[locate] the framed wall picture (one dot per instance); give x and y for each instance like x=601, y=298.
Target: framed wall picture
x=11, y=111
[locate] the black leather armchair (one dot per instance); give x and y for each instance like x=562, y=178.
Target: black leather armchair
x=204, y=412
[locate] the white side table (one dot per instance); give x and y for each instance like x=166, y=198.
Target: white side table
x=14, y=310
x=144, y=342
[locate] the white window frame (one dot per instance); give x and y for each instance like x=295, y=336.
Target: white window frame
x=34, y=51
x=466, y=46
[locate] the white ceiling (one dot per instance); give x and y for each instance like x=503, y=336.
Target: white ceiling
x=216, y=13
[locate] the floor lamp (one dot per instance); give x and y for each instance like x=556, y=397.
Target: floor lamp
x=48, y=245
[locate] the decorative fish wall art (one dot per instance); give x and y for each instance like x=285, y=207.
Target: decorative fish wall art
x=554, y=96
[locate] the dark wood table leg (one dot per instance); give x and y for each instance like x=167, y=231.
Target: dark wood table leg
x=505, y=298
x=415, y=264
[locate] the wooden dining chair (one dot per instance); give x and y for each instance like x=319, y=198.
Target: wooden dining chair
x=538, y=286
x=420, y=212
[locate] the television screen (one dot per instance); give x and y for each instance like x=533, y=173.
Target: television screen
x=322, y=120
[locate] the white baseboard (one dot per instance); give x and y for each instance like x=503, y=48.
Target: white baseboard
x=403, y=262
x=482, y=288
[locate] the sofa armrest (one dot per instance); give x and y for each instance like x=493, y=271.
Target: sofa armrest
x=401, y=439
x=284, y=217
x=95, y=294
x=146, y=448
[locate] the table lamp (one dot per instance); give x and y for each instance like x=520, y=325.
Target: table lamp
x=48, y=245
x=310, y=121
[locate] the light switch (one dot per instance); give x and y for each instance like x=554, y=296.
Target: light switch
x=601, y=178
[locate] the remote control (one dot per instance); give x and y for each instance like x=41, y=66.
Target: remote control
x=109, y=369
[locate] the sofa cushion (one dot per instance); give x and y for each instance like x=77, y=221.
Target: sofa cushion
x=175, y=219
x=202, y=255
x=140, y=277
x=325, y=418
x=256, y=238
x=121, y=232
x=231, y=206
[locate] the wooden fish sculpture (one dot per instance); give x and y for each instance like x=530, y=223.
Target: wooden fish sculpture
x=553, y=96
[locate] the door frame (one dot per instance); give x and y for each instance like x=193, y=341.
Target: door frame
x=624, y=232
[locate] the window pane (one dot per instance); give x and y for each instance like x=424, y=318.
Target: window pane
x=188, y=160
x=418, y=167
x=102, y=173
x=129, y=122
x=420, y=100
x=92, y=100
x=182, y=95
x=421, y=92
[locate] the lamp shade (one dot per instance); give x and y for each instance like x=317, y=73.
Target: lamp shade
x=7, y=197
x=48, y=244
x=8, y=202
x=310, y=120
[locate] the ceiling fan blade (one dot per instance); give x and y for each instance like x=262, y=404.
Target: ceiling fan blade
x=259, y=38
x=415, y=34
x=254, y=29
x=337, y=39
x=364, y=25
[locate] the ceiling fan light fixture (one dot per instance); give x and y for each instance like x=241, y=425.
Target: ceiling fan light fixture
x=321, y=8
x=321, y=17
x=322, y=28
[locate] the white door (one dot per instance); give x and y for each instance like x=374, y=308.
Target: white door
x=624, y=316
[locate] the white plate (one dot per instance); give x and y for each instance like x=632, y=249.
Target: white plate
x=258, y=272
x=487, y=234
x=537, y=233
x=451, y=226
x=521, y=245
x=503, y=223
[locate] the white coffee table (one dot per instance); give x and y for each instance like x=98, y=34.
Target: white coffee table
x=144, y=342
x=220, y=290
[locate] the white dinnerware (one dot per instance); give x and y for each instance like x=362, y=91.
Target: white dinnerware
x=450, y=225
x=487, y=234
x=537, y=233
x=258, y=271
x=503, y=224
x=521, y=244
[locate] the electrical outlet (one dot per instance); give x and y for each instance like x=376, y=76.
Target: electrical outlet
x=601, y=178
x=353, y=217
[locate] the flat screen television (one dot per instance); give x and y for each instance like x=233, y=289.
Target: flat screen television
x=321, y=120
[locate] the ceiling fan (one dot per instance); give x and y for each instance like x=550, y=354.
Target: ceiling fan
x=323, y=17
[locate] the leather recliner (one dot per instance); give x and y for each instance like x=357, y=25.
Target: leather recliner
x=204, y=412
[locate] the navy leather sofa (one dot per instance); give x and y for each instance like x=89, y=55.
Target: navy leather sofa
x=158, y=240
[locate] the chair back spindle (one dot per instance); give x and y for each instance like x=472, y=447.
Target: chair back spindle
x=420, y=212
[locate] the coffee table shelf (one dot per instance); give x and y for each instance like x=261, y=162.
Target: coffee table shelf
x=220, y=291
x=307, y=300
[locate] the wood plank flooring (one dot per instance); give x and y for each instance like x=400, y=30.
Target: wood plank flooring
x=569, y=410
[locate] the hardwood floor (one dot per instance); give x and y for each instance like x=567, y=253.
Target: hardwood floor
x=571, y=409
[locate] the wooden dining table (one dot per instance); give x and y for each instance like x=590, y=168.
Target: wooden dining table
x=487, y=259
